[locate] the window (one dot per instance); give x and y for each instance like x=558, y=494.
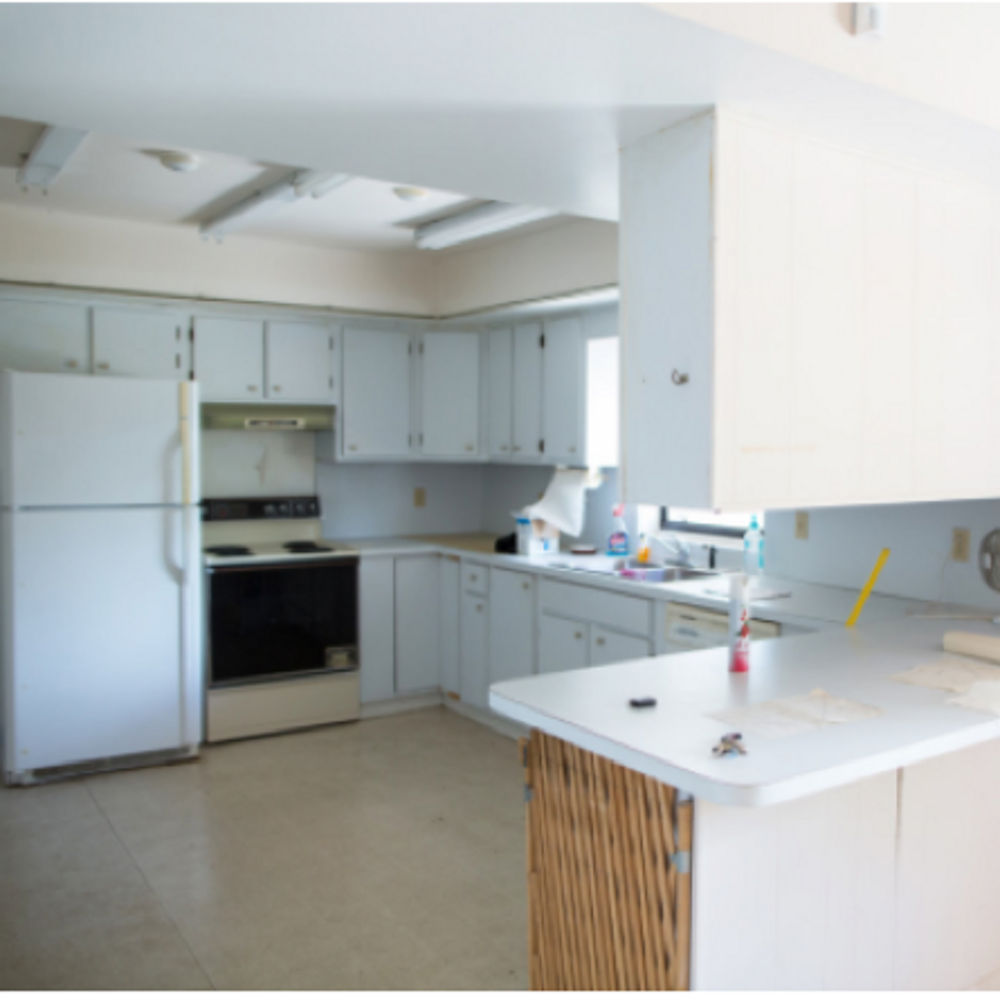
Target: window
x=709, y=522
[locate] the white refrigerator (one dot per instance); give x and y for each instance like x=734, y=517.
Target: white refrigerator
x=100, y=572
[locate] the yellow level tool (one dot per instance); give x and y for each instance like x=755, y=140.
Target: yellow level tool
x=852, y=618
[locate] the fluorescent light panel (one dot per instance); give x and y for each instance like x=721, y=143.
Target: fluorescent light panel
x=49, y=155
x=298, y=184
x=483, y=220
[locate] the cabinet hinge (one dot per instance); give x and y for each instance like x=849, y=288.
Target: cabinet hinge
x=191, y=332
x=331, y=381
x=177, y=332
x=541, y=446
x=541, y=341
x=420, y=439
x=409, y=347
x=331, y=341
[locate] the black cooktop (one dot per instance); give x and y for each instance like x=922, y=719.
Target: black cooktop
x=227, y=550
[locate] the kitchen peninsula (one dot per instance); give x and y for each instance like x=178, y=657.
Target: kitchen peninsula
x=849, y=855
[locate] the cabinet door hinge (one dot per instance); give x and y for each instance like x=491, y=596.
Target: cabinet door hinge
x=178, y=333
x=420, y=439
x=541, y=341
x=409, y=347
x=191, y=332
x=330, y=380
x=541, y=445
x=420, y=347
x=331, y=341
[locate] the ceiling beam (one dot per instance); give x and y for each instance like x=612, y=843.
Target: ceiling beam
x=49, y=155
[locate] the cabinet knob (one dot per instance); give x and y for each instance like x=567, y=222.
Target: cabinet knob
x=352, y=447
x=470, y=447
x=515, y=447
x=479, y=607
x=526, y=585
x=571, y=448
x=72, y=363
x=600, y=640
x=679, y=378
x=103, y=366
x=503, y=447
x=473, y=577
x=276, y=388
x=252, y=388
x=577, y=635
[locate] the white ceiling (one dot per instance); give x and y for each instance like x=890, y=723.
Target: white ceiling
x=525, y=103
x=112, y=177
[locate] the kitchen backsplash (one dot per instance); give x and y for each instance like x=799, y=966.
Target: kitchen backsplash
x=844, y=542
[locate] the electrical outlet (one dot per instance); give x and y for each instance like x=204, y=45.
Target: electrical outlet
x=802, y=524
x=419, y=496
x=960, y=544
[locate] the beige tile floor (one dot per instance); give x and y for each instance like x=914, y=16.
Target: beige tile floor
x=385, y=854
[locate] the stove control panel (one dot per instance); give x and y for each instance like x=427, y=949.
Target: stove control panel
x=259, y=508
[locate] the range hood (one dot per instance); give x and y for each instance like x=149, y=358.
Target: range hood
x=265, y=417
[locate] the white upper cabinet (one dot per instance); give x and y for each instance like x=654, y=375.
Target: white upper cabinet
x=299, y=362
x=43, y=336
x=229, y=358
x=804, y=324
x=500, y=387
x=448, y=379
x=375, y=394
x=141, y=343
x=562, y=391
x=527, y=392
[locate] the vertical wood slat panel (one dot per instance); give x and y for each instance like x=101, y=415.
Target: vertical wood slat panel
x=609, y=908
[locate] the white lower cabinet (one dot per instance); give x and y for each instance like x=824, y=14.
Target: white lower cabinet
x=512, y=617
x=474, y=660
x=418, y=624
x=376, y=613
x=562, y=644
x=608, y=646
x=450, y=625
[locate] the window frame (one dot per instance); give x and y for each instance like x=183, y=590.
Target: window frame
x=696, y=527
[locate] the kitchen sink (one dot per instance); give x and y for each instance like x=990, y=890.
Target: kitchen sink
x=664, y=574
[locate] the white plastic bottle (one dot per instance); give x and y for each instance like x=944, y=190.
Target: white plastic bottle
x=753, y=547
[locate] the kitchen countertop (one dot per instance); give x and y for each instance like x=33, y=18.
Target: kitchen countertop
x=809, y=605
x=672, y=742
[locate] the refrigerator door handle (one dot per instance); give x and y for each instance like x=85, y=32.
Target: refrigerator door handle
x=186, y=419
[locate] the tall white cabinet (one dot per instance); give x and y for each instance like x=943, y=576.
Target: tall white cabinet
x=803, y=324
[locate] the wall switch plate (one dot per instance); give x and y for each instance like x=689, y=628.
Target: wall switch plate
x=960, y=544
x=419, y=496
x=802, y=524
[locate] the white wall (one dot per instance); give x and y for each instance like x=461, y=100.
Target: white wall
x=844, y=542
x=66, y=249
x=942, y=54
x=362, y=500
x=565, y=258
x=257, y=464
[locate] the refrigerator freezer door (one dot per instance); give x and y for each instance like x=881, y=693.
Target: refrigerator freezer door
x=101, y=651
x=75, y=441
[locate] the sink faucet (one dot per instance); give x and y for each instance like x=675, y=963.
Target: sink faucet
x=674, y=549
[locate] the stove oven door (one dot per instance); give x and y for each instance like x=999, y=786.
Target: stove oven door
x=278, y=620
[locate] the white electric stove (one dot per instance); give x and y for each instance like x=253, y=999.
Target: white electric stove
x=282, y=618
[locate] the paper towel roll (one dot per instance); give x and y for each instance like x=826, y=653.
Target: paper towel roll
x=562, y=504
x=985, y=647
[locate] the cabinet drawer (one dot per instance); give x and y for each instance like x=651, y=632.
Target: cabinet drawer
x=475, y=578
x=627, y=614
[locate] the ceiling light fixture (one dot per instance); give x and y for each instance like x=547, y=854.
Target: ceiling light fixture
x=404, y=192
x=298, y=184
x=475, y=223
x=177, y=161
x=49, y=155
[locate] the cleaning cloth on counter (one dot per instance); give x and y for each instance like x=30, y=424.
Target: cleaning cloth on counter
x=950, y=672
x=562, y=504
x=797, y=714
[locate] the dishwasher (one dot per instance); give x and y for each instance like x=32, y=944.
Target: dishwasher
x=691, y=627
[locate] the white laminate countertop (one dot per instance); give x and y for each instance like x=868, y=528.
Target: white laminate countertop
x=672, y=741
x=810, y=606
